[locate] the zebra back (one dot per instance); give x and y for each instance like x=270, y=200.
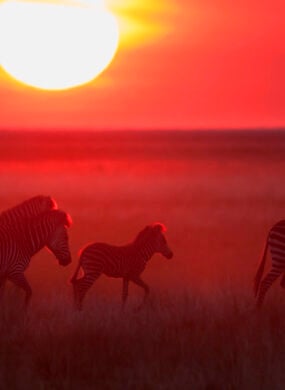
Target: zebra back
x=27, y=209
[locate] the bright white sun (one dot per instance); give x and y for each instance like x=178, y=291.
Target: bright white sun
x=54, y=47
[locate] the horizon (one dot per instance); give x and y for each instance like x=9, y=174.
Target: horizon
x=142, y=130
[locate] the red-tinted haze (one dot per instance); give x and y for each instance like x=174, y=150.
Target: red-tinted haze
x=219, y=64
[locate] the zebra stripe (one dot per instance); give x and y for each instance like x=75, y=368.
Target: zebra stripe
x=27, y=209
x=127, y=262
x=17, y=246
x=276, y=244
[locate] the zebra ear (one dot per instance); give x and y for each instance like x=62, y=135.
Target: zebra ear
x=159, y=227
x=64, y=218
x=68, y=221
x=53, y=203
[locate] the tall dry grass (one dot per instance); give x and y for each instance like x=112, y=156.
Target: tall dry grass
x=182, y=340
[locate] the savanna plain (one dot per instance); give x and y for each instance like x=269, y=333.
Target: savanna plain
x=218, y=193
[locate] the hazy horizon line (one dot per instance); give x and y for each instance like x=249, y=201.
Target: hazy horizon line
x=142, y=130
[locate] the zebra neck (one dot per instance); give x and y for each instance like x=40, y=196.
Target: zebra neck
x=37, y=238
x=145, y=251
x=34, y=243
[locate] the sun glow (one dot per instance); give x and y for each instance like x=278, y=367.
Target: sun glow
x=56, y=46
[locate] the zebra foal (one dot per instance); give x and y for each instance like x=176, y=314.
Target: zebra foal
x=18, y=245
x=276, y=243
x=126, y=262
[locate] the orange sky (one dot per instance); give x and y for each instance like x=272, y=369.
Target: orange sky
x=193, y=64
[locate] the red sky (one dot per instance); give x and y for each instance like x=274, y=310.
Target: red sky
x=194, y=64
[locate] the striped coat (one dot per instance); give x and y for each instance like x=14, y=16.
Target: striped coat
x=18, y=245
x=276, y=243
x=126, y=262
x=27, y=209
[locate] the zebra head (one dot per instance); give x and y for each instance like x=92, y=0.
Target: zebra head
x=160, y=242
x=153, y=234
x=58, y=242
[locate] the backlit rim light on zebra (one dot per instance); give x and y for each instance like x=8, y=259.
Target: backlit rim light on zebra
x=53, y=203
x=69, y=221
x=56, y=45
x=162, y=227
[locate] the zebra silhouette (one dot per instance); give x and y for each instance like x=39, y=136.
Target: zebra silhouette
x=18, y=245
x=276, y=243
x=126, y=262
x=27, y=209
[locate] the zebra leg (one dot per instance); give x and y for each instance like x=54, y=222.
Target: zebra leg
x=125, y=291
x=142, y=284
x=2, y=286
x=81, y=286
x=21, y=281
x=282, y=283
x=266, y=283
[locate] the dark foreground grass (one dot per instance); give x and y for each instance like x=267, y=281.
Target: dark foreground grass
x=182, y=342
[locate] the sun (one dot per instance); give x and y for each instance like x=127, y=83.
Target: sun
x=56, y=46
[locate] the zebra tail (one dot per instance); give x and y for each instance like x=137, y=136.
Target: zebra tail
x=260, y=270
x=74, y=277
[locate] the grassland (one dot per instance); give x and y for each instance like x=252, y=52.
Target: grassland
x=183, y=341
x=218, y=198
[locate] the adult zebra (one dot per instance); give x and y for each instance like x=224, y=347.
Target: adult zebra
x=29, y=208
x=276, y=243
x=127, y=262
x=18, y=245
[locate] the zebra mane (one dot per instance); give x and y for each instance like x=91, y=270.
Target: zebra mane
x=159, y=226
x=62, y=217
x=142, y=234
x=57, y=216
x=280, y=223
x=51, y=202
x=146, y=232
x=24, y=208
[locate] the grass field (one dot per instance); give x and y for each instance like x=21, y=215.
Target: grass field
x=182, y=341
x=218, y=195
